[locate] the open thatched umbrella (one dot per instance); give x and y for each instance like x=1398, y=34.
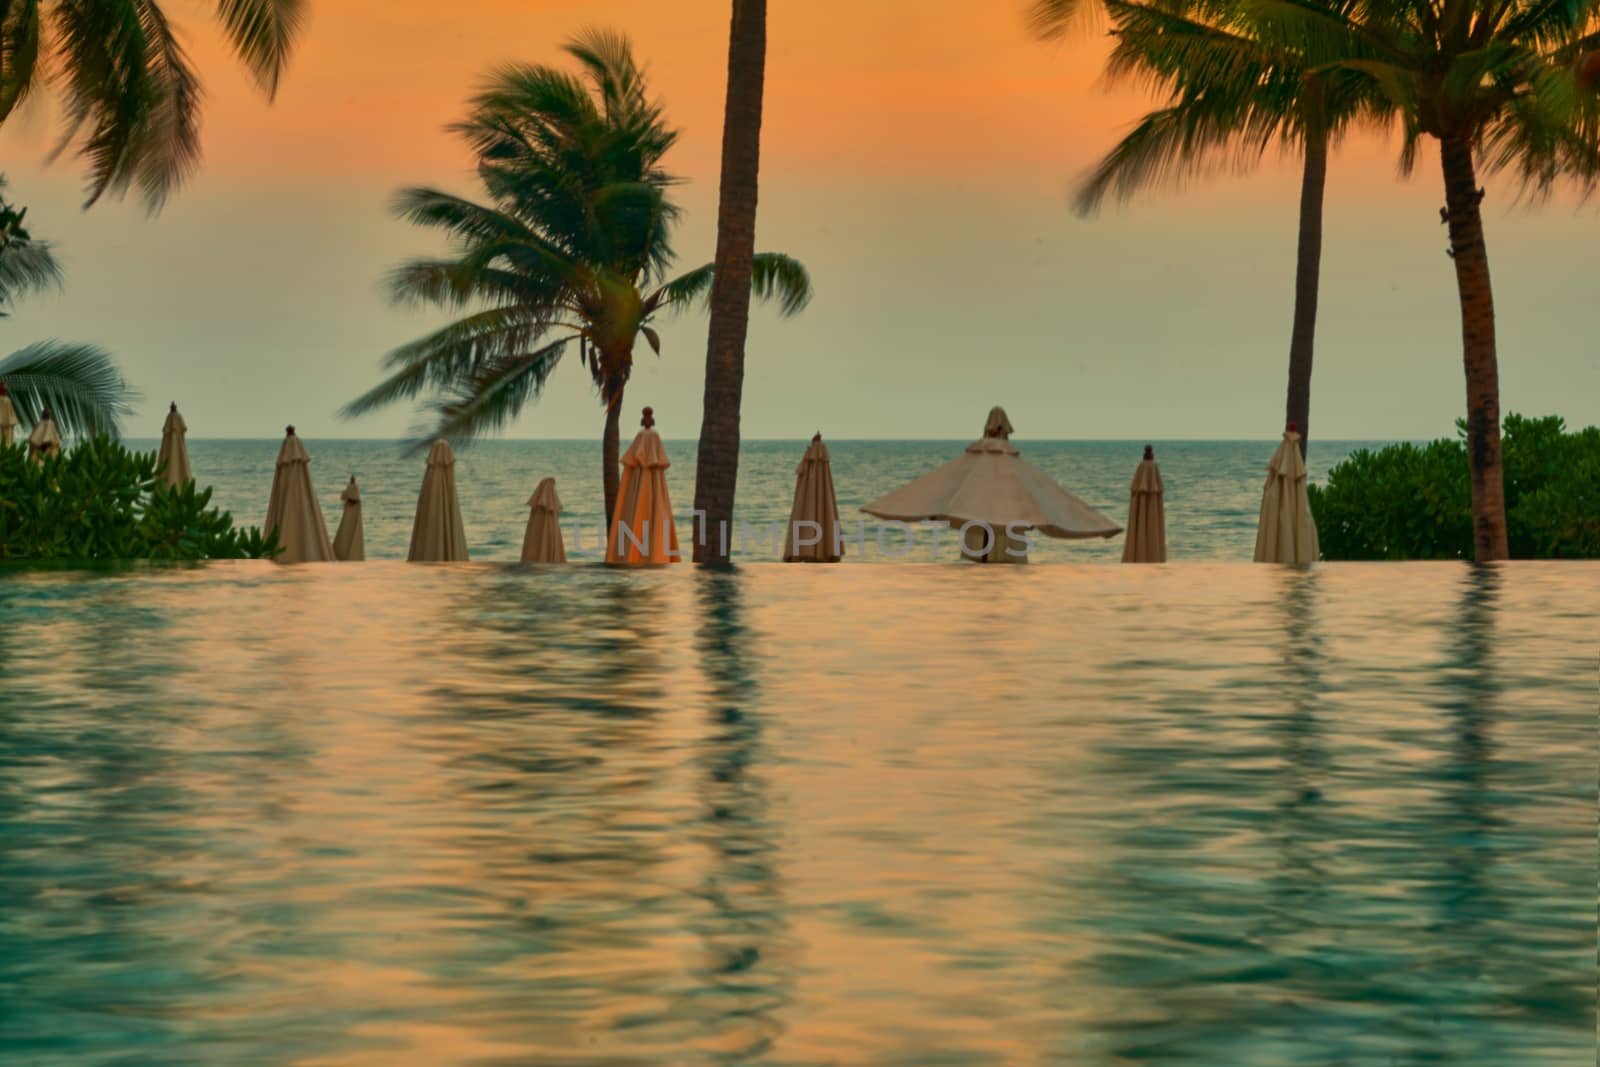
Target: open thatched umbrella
x=642, y=530
x=174, y=455
x=813, y=534
x=994, y=496
x=542, y=541
x=437, y=534
x=1146, y=541
x=8, y=418
x=1287, y=532
x=293, y=510
x=350, y=543
x=45, y=440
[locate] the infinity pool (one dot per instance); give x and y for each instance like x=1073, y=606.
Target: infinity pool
x=916, y=815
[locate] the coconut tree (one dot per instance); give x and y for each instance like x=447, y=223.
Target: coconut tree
x=79, y=383
x=1231, y=97
x=130, y=97
x=717, y=464
x=1499, y=86
x=571, y=249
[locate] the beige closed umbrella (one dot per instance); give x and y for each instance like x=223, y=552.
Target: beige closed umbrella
x=8, y=418
x=437, y=535
x=293, y=510
x=995, y=496
x=1146, y=540
x=1287, y=533
x=542, y=541
x=174, y=455
x=813, y=535
x=350, y=543
x=45, y=440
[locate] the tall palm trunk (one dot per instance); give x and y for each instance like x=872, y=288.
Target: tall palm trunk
x=1462, y=198
x=1307, y=281
x=609, y=445
x=717, y=467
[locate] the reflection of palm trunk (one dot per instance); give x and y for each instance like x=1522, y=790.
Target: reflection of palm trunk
x=1298, y=889
x=744, y=980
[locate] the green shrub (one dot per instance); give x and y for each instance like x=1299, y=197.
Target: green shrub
x=101, y=501
x=1415, y=502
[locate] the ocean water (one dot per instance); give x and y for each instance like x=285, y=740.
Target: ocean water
x=1217, y=815
x=1213, y=490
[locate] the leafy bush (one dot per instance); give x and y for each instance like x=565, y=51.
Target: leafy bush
x=1411, y=502
x=101, y=501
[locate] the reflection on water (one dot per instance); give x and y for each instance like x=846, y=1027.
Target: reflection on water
x=1208, y=815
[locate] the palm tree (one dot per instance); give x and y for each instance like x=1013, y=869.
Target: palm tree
x=573, y=245
x=126, y=81
x=717, y=465
x=1501, y=85
x=1231, y=97
x=79, y=383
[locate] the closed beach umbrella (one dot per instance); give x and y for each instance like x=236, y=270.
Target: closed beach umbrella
x=1146, y=541
x=642, y=530
x=350, y=543
x=293, y=510
x=45, y=440
x=815, y=514
x=8, y=418
x=437, y=535
x=993, y=488
x=1287, y=533
x=174, y=455
x=542, y=542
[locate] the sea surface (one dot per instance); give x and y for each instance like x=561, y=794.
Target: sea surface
x=1202, y=815
x=1213, y=491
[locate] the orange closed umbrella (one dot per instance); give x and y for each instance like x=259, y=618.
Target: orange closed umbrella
x=642, y=530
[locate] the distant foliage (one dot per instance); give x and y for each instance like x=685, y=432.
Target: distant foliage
x=1410, y=502
x=101, y=501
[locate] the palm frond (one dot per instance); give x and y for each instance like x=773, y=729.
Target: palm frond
x=773, y=275
x=262, y=33
x=79, y=383
x=20, y=33
x=26, y=265
x=777, y=276
x=451, y=355
x=496, y=393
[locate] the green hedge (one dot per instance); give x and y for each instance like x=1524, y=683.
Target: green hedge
x=1415, y=502
x=101, y=501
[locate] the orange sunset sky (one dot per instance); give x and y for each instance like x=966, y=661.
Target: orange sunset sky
x=916, y=156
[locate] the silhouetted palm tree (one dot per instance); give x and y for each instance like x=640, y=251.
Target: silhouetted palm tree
x=572, y=248
x=717, y=471
x=1501, y=85
x=1231, y=97
x=126, y=81
x=80, y=383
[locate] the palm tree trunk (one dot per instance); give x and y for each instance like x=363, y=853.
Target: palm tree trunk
x=1462, y=198
x=609, y=446
x=717, y=466
x=1307, y=281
